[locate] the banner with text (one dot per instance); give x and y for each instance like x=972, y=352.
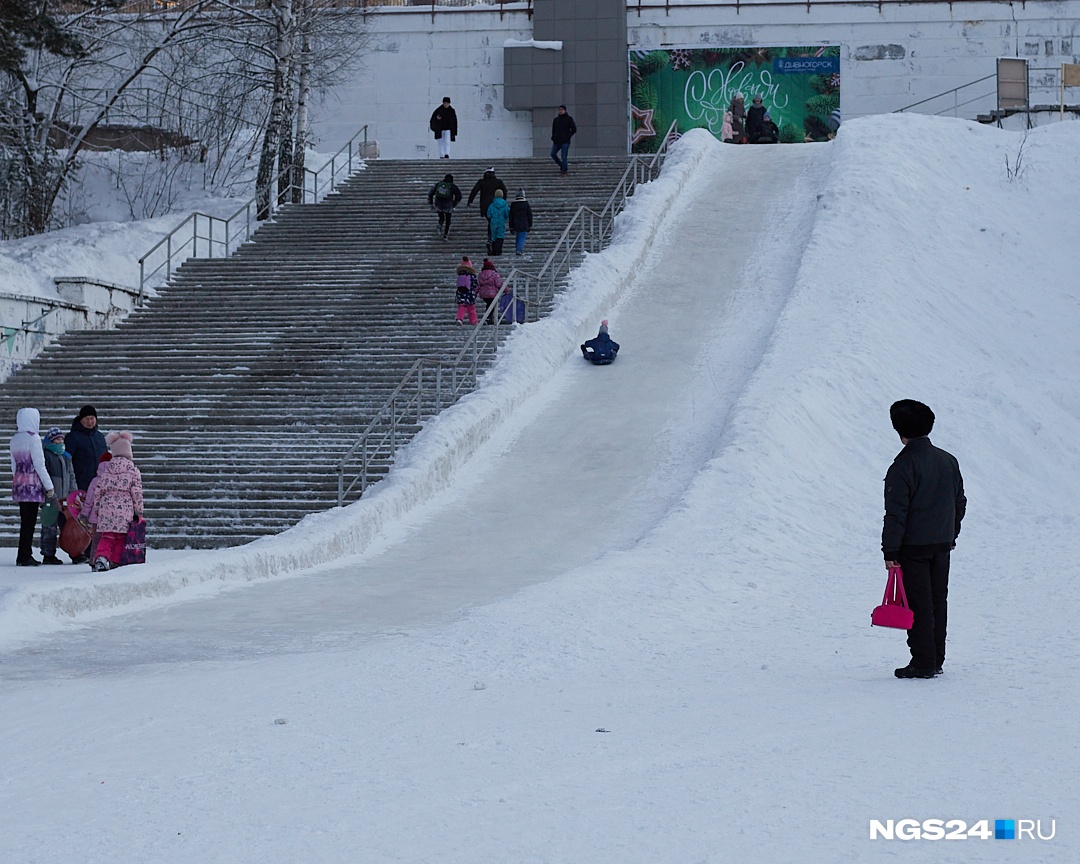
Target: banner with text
x=799, y=87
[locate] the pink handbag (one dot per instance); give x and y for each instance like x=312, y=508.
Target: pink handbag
x=894, y=610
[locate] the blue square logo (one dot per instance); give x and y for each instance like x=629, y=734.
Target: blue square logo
x=1004, y=829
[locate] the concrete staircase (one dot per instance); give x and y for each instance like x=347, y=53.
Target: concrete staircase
x=247, y=378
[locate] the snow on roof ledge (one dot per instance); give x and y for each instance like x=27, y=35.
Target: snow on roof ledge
x=555, y=45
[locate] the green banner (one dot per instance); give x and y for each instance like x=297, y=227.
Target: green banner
x=694, y=87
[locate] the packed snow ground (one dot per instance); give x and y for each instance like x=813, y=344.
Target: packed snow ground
x=696, y=678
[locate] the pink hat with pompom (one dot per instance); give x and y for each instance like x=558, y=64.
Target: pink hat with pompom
x=120, y=443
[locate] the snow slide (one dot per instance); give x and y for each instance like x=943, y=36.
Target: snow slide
x=588, y=464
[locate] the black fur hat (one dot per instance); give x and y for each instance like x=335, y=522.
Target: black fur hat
x=911, y=419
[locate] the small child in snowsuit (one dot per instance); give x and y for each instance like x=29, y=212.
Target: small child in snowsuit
x=490, y=282
x=117, y=500
x=602, y=349
x=467, y=286
x=58, y=464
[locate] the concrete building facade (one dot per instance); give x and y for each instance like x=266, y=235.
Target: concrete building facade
x=506, y=68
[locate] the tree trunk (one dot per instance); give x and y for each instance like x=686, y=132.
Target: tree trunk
x=283, y=23
x=303, y=96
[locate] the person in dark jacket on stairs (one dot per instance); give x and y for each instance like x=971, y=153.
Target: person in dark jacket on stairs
x=85, y=443
x=563, y=129
x=521, y=220
x=924, y=506
x=443, y=124
x=443, y=198
x=485, y=187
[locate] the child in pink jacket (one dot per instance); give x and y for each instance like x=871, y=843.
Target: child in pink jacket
x=489, y=282
x=117, y=500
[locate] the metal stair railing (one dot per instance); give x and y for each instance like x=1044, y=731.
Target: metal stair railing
x=205, y=236
x=432, y=384
x=955, y=92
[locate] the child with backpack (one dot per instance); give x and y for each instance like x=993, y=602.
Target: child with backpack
x=467, y=286
x=443, y=198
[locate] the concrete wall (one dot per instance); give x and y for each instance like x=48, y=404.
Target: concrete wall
x=28, y=324
x=414, y=63
x=890, y=58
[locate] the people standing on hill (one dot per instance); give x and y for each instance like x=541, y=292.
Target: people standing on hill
x=498, y=214
x=489, y=282
x=443, y=125
x=465, y=294
x=443, y=198
x=755, y=116
x=521, y=221
x=117, y=500
x=563, y=129
x=85, y=443
x=62, y=474
x=924, y=506
x=738, y=119
x=31, y=485
x=486, y=187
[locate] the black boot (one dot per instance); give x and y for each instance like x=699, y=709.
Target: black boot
x=910, y=671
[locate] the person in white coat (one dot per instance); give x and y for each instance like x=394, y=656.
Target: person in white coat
x=31, y=485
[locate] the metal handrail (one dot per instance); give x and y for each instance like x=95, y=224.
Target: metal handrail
x=433, y=384
x=230, y=233
x=954, y=91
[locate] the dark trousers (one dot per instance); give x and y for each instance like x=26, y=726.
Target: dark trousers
x=444, y=221
x=50, y=534
x=28, y=511
x=926, y=583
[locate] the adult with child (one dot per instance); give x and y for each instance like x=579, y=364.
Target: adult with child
x=443, y=198
x=521, y=221
x=465, y=293
x=117, y=501
x=498, y=214
x=62, y=474
x=31, y=485
x=443, y=124
x=85, y=443
x=489, y=282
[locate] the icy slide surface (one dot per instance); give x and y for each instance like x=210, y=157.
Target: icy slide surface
x=588, y=465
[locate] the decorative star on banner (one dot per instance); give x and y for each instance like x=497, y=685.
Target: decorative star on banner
x=644, y=116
